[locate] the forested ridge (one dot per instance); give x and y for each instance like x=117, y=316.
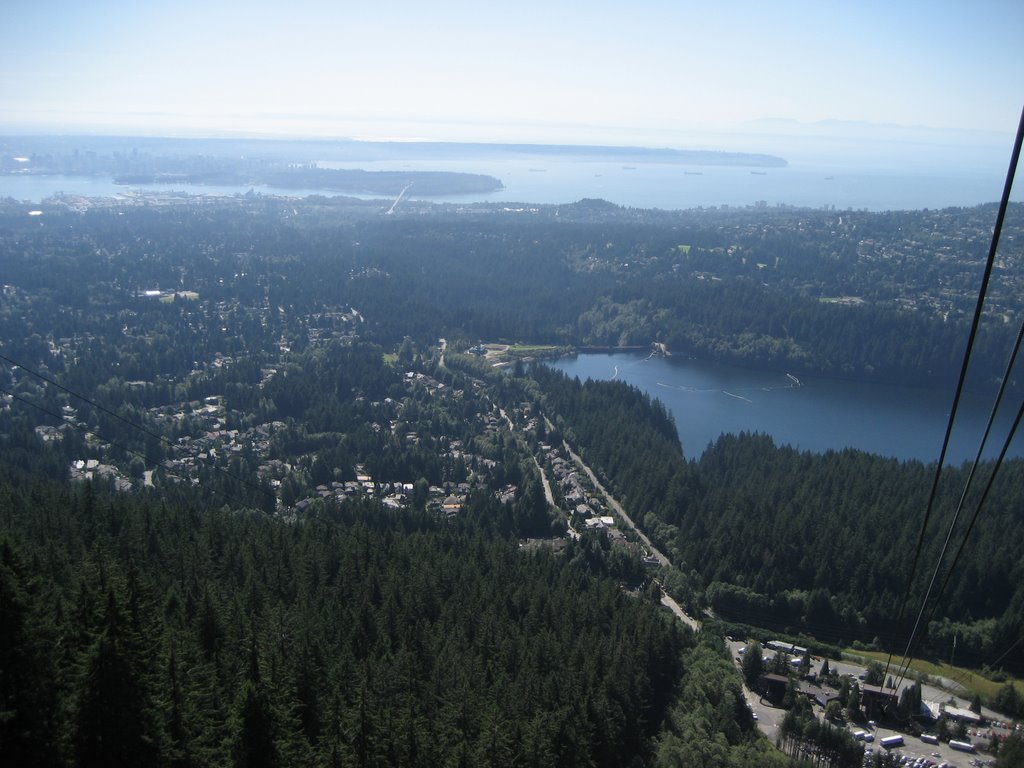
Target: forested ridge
x=883, y=296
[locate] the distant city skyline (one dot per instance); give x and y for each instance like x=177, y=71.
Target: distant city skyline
x=649, y=73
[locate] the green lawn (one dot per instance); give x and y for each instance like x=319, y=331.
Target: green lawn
x=531, y=349
x=970, y=679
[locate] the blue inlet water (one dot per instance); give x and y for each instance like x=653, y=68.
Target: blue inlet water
x=560, y=180
x=811, y=413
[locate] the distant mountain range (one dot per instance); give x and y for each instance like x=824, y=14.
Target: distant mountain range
x=353, y=151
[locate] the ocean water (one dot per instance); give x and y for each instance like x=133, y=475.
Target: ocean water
x=671, y=186
x=552, y=179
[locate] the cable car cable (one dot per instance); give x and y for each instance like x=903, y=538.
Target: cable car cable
x=975, y=324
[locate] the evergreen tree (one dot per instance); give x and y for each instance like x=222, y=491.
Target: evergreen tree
x=114, y=720
x=976, y=704
x=853, y=702
x=753, y=665
x=1009, y=701
x=28, y=709
x=1011, y=753
x=253, y=745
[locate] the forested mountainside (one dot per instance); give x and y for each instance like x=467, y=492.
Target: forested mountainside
x=252, y=490
x=819, y=545
x=205, y=637
x=163, y=633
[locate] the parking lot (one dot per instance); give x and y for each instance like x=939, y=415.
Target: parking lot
x=914, y=752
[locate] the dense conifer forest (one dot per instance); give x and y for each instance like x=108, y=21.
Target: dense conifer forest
x=138, y=631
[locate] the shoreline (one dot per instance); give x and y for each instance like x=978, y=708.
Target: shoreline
x=799, y=375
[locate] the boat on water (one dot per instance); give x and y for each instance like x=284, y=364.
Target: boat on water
x=760, y=173
x=693, y=173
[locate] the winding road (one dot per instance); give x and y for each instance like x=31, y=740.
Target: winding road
x=667, y=600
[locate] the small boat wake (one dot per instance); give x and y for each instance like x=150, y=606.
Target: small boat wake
x=793, y=383
x=683, y=388
x=738, y=397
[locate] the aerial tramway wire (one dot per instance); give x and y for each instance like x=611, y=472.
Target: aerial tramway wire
x=128, y=422
x=962, y=676
x=228, y=498
x=967, y=485
x=87, y=431
x=975, y=323
x=970, y=527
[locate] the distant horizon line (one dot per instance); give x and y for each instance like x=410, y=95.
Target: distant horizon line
x=394, y=130
x=547, y=144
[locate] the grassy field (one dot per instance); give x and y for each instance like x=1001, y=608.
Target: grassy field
x=969, y=679
x=532, y=349
x=508, y=352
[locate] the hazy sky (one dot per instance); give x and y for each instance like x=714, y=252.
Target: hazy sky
x=615, y=72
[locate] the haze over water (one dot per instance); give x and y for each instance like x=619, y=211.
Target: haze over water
x=666, y=187
x=821, y=172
